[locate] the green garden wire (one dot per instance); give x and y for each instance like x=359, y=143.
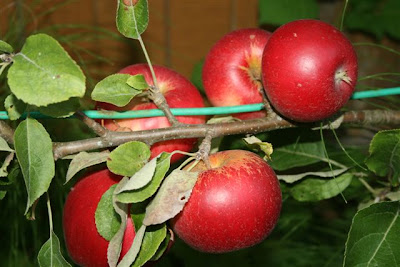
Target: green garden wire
x=96, y=114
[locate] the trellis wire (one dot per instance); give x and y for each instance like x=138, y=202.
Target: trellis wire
x=97, y=114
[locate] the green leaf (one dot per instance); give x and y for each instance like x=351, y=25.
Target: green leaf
x=114, y=90
x=291, y=178
x=43, y=73
x=5, y=47
x=373, y=238
x=2, y=194
x=319, y=189
x=4, y=146
x=138, y=82
x=84, y=160
x=132, y=20
x=163, y=246
x=107, y=221
x=171, y=197
x=50, y=253
x=35, y=155
x=138, y=211
x=115, y=244
x=141, y=177
x=152, y=240
x=61, y=110
x=384, y=154
x=255, y=143
x=12, y=176
x=128, y=158
x=15, y=107
x=280, y=12
x=153, y=236
x=298, y=155
x=6, y=163
x=139, y=195
x=378, y=18
x=134, y=250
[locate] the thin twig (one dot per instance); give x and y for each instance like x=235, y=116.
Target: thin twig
x=205, y=148
x=363, y=118
x=159, y=100
x=92, y=124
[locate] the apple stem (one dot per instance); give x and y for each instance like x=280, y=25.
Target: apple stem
x=205, y=148
x=266, y=103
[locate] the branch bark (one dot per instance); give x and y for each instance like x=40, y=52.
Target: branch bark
x=159, y=100
x=362, y=118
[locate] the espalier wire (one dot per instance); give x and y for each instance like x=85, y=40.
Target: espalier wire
x=96, y=114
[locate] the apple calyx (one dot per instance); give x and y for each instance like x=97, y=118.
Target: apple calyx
x=341, y=75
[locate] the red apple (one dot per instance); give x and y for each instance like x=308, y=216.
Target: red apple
x=233, y=205
x=178, y=92
x=85, y=245
x=232, y=70
x=309, y=70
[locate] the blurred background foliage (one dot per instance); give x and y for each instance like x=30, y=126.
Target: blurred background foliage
x=179, y=35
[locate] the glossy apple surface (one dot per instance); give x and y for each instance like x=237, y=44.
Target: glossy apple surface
x=309, y=70
x=233, y=205
x=85, y=245
x=178, y=92
x=232, y=70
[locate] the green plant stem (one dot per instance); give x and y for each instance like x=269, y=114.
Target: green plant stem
x=344, y=150
x=367, y=186
x=157, y=97
x=380, y=46
x=50, y=214
x=146, y=55
x=329, y=161
x=343, y=14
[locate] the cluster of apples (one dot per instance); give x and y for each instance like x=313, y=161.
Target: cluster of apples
x=308, y=70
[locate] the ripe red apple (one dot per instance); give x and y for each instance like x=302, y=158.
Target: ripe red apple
x=232, y=70
x=309, y=70
x=85, y=245
x=233, y=205
x=178, y=92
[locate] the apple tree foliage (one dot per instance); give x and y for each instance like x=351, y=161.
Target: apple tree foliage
x=312, y=168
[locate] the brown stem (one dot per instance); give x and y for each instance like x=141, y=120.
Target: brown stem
x=205, y=148
x=159, y=100
x=92, y=124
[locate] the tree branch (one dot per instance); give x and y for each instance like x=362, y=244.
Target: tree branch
x=367, y=117
x=92, y=124
x=159, y=100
